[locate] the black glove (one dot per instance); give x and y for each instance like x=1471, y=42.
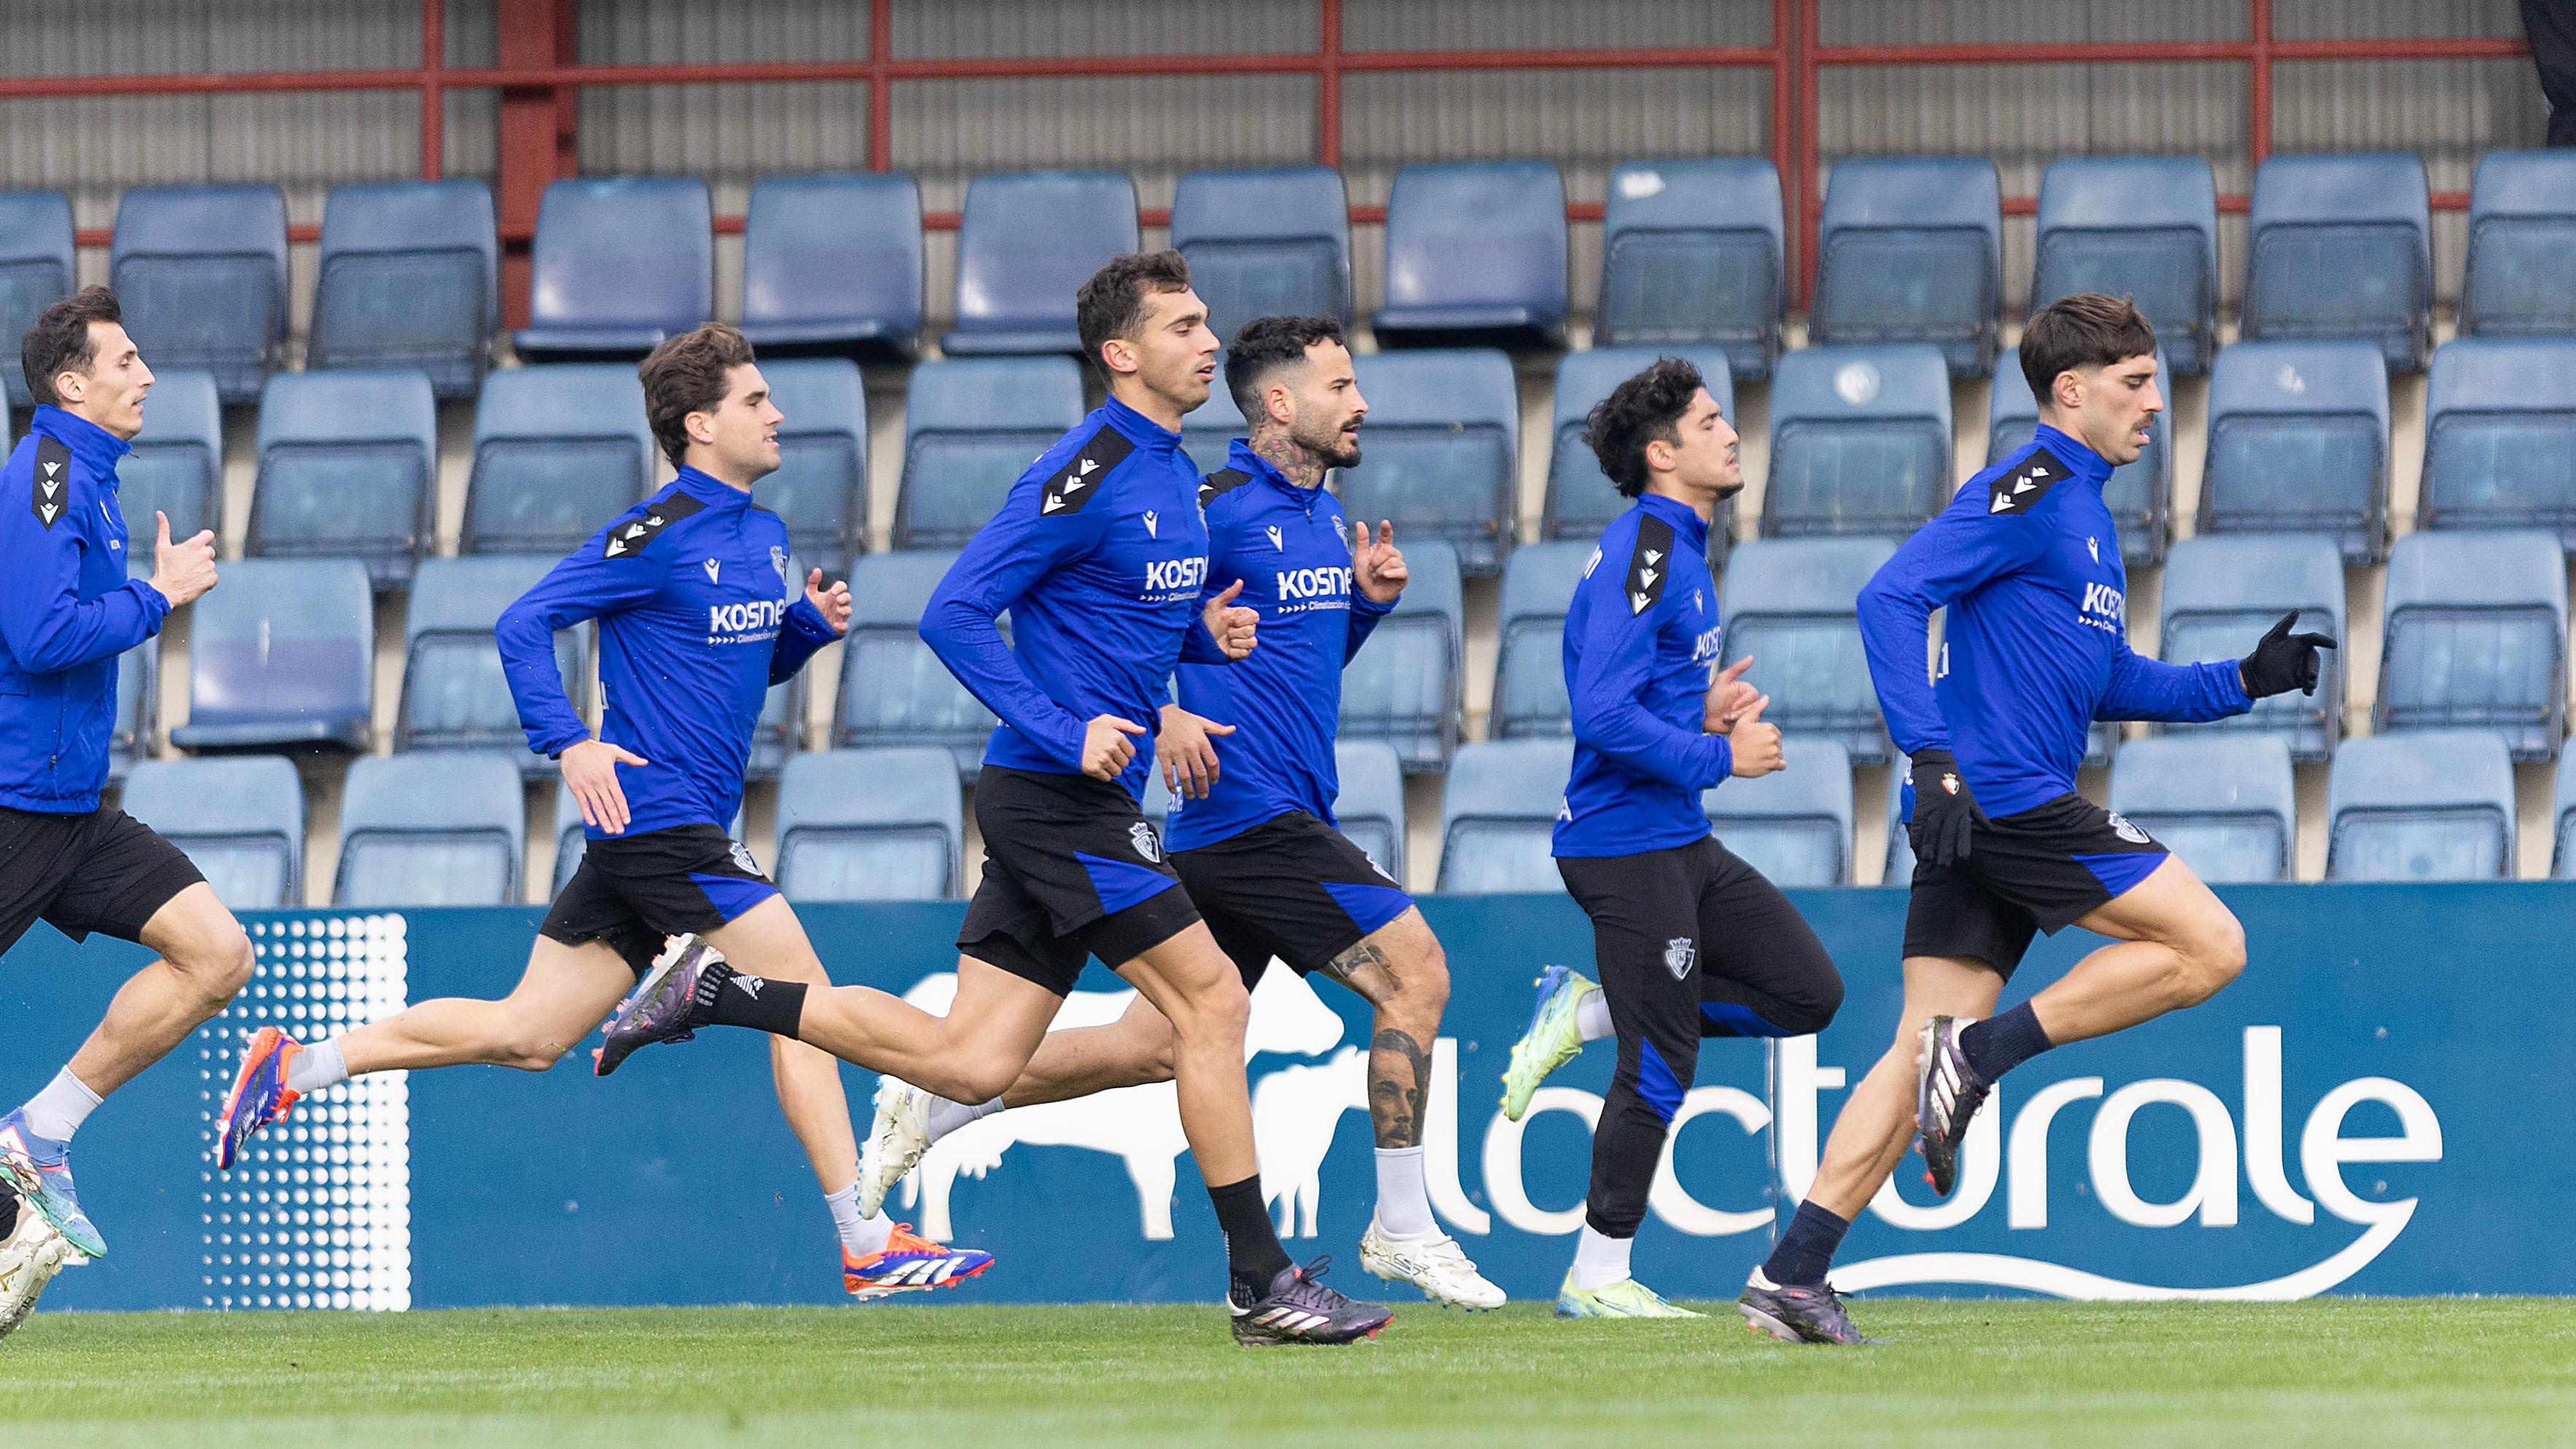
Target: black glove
x=2282, y=661
x=1945, y=813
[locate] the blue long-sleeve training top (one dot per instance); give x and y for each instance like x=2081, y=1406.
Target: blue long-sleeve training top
x=1641, y=643
x=1098, y=554
x=67, y=610
x=2036, y=646
x=698, y=616
x=1291, y=548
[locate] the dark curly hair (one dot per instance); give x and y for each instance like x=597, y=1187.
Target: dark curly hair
x=1644, y=408
x=1264, y=345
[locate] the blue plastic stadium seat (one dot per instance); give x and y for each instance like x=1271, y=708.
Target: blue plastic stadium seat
x=177, y=465
x=894, y=691
x=1498, y=814
x=454, y=695
x=1860, y=442
x=348, y=468
x=2342, y=248
x=2500, y=435
x=1475, y=253
x=1900, y=845
x=820, y=490
x=241, y=823
x=410, y=277
x=2141, y=227
x=2139, y=494
x=1790, y=604
x=1026, y=244
x=832, y=263
x=558, y=451
x=138, y=701
x=1529, y=666
x=1912, y=251
x=283, y=656
x=36, y=270
x=1403, y=685
x=2420, y=805
x=201, y=271
x=2473, y=634
x=620, y=263
x=1208, y=429
x=970, y=428
x=1272, y=241
x=2225, y=803
x=1370, y=806
x=780, y=731
x=1795, y=824
x=1439, y=452
x=2222, y=592
x=1691, y=253
x=2298, y=443
x=431, y=830
x=871, y=825
x=1581, y=499
x=2562, y=857
x=2522, y=227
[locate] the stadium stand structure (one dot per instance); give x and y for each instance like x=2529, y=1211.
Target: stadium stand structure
x=177, y=463
x=2298, y=443
x=893, y=690
x=1475, y=255
x=431, y=830
x=2420, y=805
x=347, y=461
x=2141, y=227
x=1790, y=603
x=619, y=264
x=971, y=426
x=1265, y=242
x=832, y=263
x=1795, y=824
x=871, y=825
x=2226, y=804
x=559, y=450
x=1403, y=687
x=2473, y=633
x=1440, y=452
x=201, y=273
x=1529, y=663
x=1028, y=241
x=1497, y=815
x=410, y=276
x=240, y=821
x=2500, y=435
x=2340, y=246
x=1370, y=807
x=1912, y=252
x=2222, y=592
x=1691, y=256
x=1860, y=441
x=2522, y=230
x=282, y=657
x=454, y=694
x=37, y=265
x=820, y=490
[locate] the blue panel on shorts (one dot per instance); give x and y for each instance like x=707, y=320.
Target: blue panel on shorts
x=1368, y=906
x=1122, y=883
x=2118, y=872
x=1729, y=1019
x=1656, y=1082
x=732, y=895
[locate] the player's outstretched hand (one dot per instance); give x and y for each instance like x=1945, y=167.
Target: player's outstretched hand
x=1376, y=565
x=2283, y=661
x=1233, y=626
x=184, y=571
x=832, y=603
x=1105, y=746
x=590, y=772
x=1946, y=815
x=1189, y=759
x=1728, y=698
x=1755, y=742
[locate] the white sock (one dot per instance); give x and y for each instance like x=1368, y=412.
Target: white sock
x=946, y=1116
x=58, y=1110
x=1592, y=1016
x=859, y=1236
x=1403, y=1207
x=1599, y=1261
x=317, y=1066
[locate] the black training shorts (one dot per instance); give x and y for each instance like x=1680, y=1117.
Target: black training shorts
x=636, y=891
x=100, y=870
x=2040, y=869
x=1291, y=887
x=1071, y=869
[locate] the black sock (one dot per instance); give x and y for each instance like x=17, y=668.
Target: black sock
x=1806, y=1250
x=756, y=1002
x=1252, y=1250
x=2000, y=1043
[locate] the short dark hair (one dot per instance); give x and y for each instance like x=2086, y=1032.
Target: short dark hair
x=2087, y=329
x=1264, y=345
x=1112, y=303
x=1646, y=407
x=60, y=341
x=688, y=374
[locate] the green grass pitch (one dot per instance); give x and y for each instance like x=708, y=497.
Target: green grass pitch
x=2485, y=1372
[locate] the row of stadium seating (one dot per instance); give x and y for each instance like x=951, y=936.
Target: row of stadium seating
x=1692, y=252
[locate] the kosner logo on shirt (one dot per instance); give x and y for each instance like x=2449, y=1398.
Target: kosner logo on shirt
x=1318, y=583
x=1166, y=579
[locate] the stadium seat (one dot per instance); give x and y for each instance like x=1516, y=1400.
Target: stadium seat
x=1581, y=499
x=893, y=690
x=1209, y=429
x=2298, y=443
x=1691, y=254
x=1795, y=824
x=2562, y=857
x=201, y=271
x=1439, y=452
x=348, y=468
x=2139, y=494
x=1789, y=603
x=1498, y=814
x=138, y=701
x=431, y=830
x=1026, y=244
x=1529, y=664
x=1475, y=254
x=1912, y=251
x=177, y=465
x=36, y=270
x=2473, y=634
x=832, y=263
x=558, y=451
x=1900, y=845
x=1370, y=806
x=1403, y=685
x=410, y=277
x=2522, y=225
x=454, y=695
x=2141, y=227
x=2341, y=248
x=282, y=656
x=2222, y=592
x=1271, y=241
x=871, y=825
x=1860, y=442
x=2500, y=435
x=2420, y=805
x=820, y=490
x=2225, y=804
x=970, y=428
x=240, y=821
x=780, y=730
x=619, y=264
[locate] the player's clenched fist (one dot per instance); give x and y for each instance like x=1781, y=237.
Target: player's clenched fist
x=1728, y=698
x=832, y=603
x=1755, y=744
x=182, y=571
x=1106, y=746
x=1232, y=626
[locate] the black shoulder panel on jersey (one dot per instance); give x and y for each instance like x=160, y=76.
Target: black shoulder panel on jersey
x=1077, y=481
x=50, y=493
x=2019, y=490
x=1219, y=483
x=1649, y=563
x=637, y=534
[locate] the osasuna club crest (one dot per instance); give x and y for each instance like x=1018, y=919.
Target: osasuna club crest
x=2121, y=827
x=742, y=857
x=1679, y=953
x=1147, y=846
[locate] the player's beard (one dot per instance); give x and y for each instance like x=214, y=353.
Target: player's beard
x=1335, y=449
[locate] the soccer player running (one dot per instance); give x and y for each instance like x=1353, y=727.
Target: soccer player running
x=1098, y=554
x=691, y=591
x=1691, y=941
x=1254, y=841
x=2026, y=561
